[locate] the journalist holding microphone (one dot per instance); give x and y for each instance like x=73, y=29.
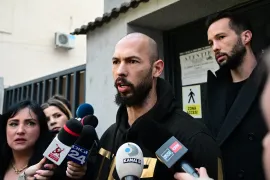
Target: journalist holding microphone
x=58, y=112
x=24, y=137
x=148, y=108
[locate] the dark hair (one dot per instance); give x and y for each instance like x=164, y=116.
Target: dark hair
x=237, y=22
x=59, y=102
x=41, y=143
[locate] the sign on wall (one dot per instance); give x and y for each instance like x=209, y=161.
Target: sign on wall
x=195, y=64
x=192, y=100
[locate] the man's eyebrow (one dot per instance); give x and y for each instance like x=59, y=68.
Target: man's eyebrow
x=133, y=57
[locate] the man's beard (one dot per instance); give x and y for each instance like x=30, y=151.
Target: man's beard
x=236, y=58
x=138, y=94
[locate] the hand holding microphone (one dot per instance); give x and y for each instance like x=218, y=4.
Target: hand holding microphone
x=34, y=172
x=80, y=151
x=129, y=162
x=185, y=176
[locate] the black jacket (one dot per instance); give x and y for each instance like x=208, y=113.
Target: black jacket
x=240, y=131
x=203, y=150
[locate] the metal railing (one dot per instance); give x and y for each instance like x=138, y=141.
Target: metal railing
x=70, y=83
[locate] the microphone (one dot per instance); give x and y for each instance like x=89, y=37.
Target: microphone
x=61, y=144
x=129, y=161
x=84, y=110
x=83, y=146
x=90, y=120
x=166, y=147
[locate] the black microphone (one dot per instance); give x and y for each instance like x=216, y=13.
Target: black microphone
x=83, y=146
x=60, y=146
x=166, y=147
x=90, y=120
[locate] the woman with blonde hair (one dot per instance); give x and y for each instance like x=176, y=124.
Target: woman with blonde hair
x=58, y=111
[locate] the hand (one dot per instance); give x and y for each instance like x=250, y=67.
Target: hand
x=34, y=172
x=185, y=176
x=75, y=171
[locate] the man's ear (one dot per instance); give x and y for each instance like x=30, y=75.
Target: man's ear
x=246, y=37
x=158, y=67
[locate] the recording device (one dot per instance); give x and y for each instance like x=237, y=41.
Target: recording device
x=61, y=144
x=129, y=162
x=166, y=147
x=90, y=120
x=83, y=146
x=84, y=110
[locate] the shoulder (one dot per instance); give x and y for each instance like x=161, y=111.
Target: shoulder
x=106, y=139
x=110, y=131
x=182, y=122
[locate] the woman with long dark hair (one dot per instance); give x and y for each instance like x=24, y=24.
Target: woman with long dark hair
x=24, y=136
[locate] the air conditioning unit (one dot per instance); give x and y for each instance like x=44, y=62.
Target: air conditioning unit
x=63, y=40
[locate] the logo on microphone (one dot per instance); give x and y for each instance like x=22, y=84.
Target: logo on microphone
x=132, y=151
x=55, y=154
x=175, y=147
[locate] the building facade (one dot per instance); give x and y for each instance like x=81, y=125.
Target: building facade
x=28, y=37
x=178, y=27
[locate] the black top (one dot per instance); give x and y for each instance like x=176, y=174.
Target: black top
x=232, y=92
x=203, y=150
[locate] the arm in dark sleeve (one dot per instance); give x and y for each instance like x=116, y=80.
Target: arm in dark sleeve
x=91, y=161
x=206, y=153
x=101, y=166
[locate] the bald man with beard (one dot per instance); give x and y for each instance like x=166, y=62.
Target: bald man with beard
x=143, y=97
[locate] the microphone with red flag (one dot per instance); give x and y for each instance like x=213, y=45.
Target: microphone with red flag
x=61, y=144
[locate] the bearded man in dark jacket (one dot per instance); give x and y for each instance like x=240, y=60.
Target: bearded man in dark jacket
x=143, y=96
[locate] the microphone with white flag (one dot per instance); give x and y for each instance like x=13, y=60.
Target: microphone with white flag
x=129, y=162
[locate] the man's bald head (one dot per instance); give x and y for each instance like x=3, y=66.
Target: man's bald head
x=151, y=44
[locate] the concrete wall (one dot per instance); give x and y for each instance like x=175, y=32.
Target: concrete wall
x=27, y=28
x=1, y=94
x=100, y=91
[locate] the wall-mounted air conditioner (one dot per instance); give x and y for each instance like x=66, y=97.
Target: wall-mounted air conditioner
x=63, y=40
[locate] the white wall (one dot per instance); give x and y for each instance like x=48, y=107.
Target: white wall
x=27, y=30
x=1, y=94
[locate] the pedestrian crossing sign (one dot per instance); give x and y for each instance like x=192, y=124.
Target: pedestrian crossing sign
x=191, y=96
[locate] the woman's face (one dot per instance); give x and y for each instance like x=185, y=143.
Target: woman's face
x=56, y=119
x=22, y=130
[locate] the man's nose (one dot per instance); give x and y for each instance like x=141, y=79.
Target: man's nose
x=216, y=46
x=122, y=69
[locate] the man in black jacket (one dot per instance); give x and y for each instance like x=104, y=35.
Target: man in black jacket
x=143, y=96
x=233, y=112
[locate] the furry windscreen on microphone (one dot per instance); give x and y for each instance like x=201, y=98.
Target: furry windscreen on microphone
x=87, y=137
x=90, y=120
x=84, y=110
x=70, y=132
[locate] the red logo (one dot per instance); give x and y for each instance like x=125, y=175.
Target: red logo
x=175, y=147
x=55, y=154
